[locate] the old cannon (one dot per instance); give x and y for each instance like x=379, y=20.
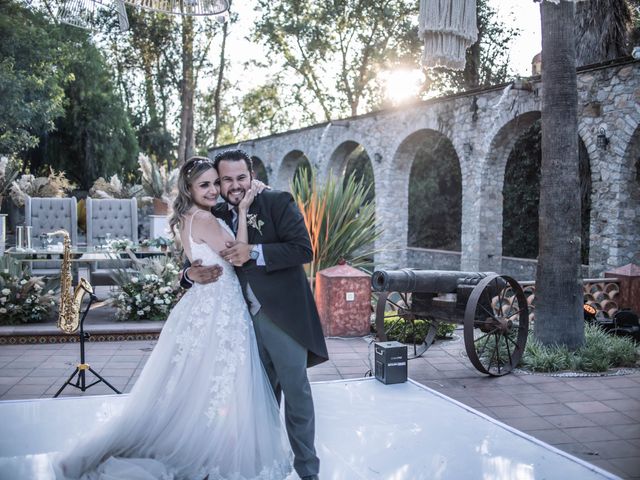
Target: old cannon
x=492, y=308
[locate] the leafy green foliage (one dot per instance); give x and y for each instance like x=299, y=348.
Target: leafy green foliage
x=600, y=352
x=339, y=219
x=333, y=51
x=415, y=331
x=32, y=76
x=435, y=197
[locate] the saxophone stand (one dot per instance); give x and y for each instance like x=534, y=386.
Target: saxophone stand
x=82, y=367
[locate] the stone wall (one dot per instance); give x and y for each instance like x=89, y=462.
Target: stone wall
x=482, y=126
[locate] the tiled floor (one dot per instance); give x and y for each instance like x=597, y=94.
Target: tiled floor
x=594, y=418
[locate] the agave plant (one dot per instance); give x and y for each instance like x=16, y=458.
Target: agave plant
x=340, y=221
x=157, y=181
x=114, y=188
x=9, y=170
x=55, y=185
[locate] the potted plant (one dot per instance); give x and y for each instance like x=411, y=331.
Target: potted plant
x=158, y=183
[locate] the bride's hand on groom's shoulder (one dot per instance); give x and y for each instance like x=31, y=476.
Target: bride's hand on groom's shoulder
x=259, y=186
x=199, y=273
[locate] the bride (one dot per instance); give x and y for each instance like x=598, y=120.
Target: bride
x=202, y=407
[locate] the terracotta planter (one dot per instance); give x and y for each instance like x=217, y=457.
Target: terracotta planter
x=160, y=207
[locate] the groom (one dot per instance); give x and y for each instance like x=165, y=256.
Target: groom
x=275, y=286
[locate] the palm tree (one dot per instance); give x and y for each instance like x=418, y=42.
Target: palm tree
x=558, y=277
x=602, y=29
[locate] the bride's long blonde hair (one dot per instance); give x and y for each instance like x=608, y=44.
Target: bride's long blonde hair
x=189, y=172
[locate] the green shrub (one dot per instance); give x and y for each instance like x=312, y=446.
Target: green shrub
x=600, y=352
x=402, y=331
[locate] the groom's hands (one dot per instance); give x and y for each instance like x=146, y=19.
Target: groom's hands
x=237, y=253
x=199, y=273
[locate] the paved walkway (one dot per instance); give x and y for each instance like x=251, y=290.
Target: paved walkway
x=594, y=418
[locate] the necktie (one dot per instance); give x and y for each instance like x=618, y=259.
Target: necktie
x=235, y=221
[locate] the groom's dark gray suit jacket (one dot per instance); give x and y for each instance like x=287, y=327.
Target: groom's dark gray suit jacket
x=281, y=285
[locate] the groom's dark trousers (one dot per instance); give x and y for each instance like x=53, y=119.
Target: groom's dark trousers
x=287, y=324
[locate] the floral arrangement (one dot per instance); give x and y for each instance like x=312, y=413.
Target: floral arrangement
x=114, y=188
x=55, y=185
x=157, y=181
x=121, y=244
x=23, y=298
x=149, y=292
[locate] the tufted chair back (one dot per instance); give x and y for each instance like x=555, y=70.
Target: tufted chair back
x=48, y=214
x=118, y=217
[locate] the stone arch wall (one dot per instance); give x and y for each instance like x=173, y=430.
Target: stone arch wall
x=490, y=225
x=288, y=167
x=482, y=127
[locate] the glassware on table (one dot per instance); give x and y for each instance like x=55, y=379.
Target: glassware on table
x=27, y=237
x=19, y=237
x=43, y=240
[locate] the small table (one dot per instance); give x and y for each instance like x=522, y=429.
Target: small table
x=82, y=255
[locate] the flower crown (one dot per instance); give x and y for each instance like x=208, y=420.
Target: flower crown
x=199, y=161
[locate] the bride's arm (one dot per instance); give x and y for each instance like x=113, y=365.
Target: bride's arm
x=243, y=235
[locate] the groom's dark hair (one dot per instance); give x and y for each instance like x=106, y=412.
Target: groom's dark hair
x=233, y=156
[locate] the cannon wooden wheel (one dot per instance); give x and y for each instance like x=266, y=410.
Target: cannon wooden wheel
x=496, y=325
x=407, y=329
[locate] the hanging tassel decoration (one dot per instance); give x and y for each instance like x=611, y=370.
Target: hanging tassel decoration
x=448, y=28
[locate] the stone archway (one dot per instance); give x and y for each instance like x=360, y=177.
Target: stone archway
x=394, y=216
x=351, y=158
x=259, y=170
x=291, y=164
x=521, y=194
x=630, y=211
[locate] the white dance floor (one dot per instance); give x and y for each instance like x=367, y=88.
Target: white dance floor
x=365, y=431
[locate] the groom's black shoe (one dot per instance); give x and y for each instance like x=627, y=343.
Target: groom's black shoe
x=311, y=477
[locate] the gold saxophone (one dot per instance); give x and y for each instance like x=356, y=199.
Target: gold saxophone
x=70, y=303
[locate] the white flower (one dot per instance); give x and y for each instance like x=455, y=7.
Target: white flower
x=3, y=299
x=167, y=301
x=28, y=300
x=23, y=281
x=140, y=313
x=134, y=279
x=3, y=310
x=50, y=292
x=37, y=287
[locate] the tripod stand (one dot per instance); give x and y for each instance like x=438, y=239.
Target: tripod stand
x=82, y=367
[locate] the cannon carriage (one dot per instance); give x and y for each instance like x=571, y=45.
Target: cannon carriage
x=492, y=308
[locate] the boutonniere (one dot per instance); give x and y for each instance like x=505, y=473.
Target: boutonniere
x=253, y=221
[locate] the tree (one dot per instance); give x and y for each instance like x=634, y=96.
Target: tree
x=94, y=138
x=32, y=77
x=487, y=60
x=334, y=50
x=602, y=30
x=558, y=276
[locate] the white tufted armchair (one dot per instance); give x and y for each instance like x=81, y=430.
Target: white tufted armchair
x=46, y=215
x=117, y=217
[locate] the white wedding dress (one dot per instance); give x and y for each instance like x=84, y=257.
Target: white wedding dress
x=202, y=406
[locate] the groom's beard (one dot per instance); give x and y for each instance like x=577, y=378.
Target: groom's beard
x=234, y=198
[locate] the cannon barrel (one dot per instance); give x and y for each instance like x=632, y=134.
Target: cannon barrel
x=426, y=281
